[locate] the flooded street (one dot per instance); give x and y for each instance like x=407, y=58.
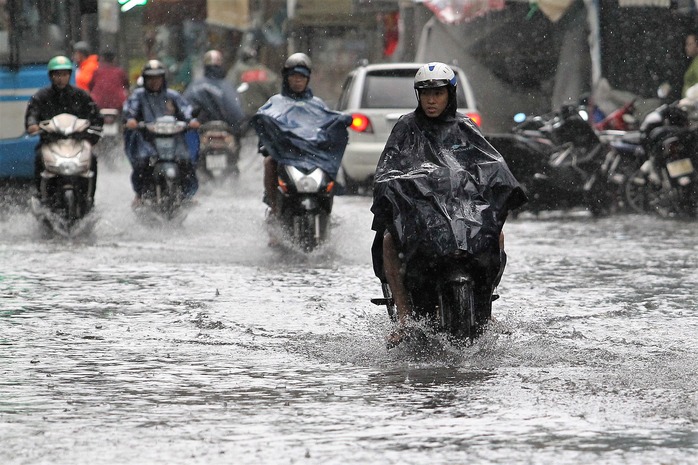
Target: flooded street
x=200, y=345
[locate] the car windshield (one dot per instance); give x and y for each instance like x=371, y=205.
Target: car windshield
x=394, y=88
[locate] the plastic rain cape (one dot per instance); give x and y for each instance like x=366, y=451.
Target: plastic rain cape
x=441, y=187
x=302, y=133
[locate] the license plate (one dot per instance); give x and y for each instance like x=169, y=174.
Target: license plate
x=216, y=162
x=679, y=167
x=110, y=129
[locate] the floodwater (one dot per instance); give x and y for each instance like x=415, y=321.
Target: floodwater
x=200, y=345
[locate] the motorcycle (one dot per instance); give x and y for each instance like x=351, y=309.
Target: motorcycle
x=163, y=194
x=307, y=142
x=560, y=160
x=111, y=144
x=219, y=151
x=621, y=119
x=68, y=180
x=446, y=223
x=667, y=183
x=449, y=293
x=305, y=198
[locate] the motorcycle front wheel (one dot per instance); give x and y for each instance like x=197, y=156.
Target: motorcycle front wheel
x=171, y=198
x=457, y=312
x=72, y=210
x=304, y=232
x=646, y=196
x=637, y=192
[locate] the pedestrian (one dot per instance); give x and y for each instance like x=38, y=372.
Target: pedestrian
x=690, y=77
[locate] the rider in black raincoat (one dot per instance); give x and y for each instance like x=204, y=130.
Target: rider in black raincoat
x=440, y=187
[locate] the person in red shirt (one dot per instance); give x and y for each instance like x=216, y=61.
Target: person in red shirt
x=109, y=85
x=86, y=63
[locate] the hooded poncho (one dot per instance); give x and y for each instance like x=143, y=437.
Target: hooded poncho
x=302, y=132
x=441, y=187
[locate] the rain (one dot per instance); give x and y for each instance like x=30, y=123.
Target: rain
x=197, y=343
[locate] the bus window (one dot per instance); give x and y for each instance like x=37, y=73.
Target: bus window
x=38, y=26
x=4, y=33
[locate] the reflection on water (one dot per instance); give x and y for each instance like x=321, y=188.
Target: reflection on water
x=201, y=345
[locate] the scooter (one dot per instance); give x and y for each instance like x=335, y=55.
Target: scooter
x=448, y=293
x=667, y=182
x=110, y=146
x=559, y=159
x=219, y=151
x=163, y=195
x=67, y=181
x=305, y=199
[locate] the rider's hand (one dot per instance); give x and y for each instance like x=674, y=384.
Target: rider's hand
x=194, y=124
x=132, y=123
x=32, y=129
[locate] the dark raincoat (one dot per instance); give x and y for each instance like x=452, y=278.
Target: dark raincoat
x=441, y=187
x=215, y=99
x=299, y=130
x=146, y=106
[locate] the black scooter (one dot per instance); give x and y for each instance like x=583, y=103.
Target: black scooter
x=451, y=293
x=667, y=182
x=163, y=195
x=559, y=160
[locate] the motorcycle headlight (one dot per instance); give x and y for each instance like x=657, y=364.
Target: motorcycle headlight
x=306, y=183
x=67, y=167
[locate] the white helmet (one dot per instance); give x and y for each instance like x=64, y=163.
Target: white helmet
x=213, y=58
x=299, y=62
x=434, y=75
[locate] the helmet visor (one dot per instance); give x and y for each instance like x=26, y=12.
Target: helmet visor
x=299, y=70
x=154, y=72
x=431, y=84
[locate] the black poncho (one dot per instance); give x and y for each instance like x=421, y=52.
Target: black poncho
x=441, y=187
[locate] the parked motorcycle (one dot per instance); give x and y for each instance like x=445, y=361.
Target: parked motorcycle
x=67, y=181
x=667, y=183
x=219, y=151
x=560, y=160
x=163, y=194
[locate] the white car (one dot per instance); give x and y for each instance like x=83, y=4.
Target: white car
x=376, y=96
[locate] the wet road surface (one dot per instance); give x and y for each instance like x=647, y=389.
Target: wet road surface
x=200, y=345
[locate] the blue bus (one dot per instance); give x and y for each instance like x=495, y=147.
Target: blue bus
x=31, y=33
